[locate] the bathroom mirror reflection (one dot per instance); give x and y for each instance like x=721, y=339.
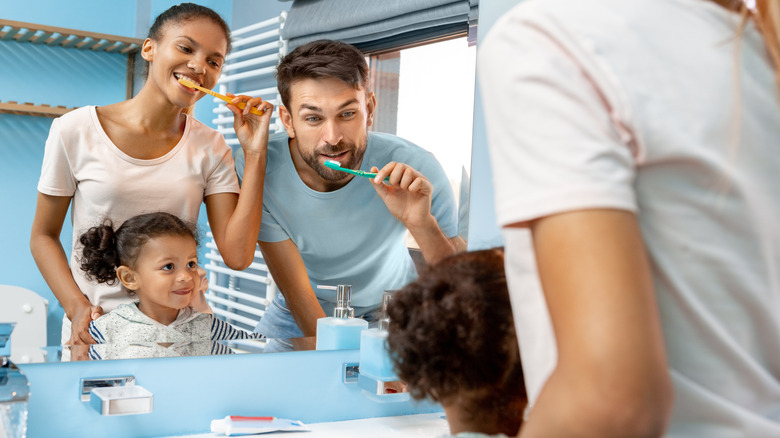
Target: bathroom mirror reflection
x=425, y=94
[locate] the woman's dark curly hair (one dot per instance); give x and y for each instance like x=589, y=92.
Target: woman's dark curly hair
x=452, y=337
x=105, y=249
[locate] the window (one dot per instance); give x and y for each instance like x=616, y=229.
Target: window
x=425, y=94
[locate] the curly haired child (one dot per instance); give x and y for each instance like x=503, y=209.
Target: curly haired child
x=154, y=257
x=452, y=339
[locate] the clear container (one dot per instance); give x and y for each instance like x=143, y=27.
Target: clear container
x=13, y=419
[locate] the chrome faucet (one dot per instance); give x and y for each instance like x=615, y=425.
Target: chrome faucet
x=14, y=390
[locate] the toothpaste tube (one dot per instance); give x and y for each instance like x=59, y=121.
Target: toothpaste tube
x=237, y=425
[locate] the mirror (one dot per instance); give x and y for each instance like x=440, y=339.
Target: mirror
x=54, y=76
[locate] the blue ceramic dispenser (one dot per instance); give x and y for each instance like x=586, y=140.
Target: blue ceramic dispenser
x=342, y=330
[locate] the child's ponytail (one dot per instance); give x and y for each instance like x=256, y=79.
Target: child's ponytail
x=100, y=257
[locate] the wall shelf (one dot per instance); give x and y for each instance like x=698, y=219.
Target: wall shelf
x=29, y=109
x=59, y=36
x=21, y=32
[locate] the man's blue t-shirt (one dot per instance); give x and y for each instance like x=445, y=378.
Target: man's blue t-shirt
x=348, y=236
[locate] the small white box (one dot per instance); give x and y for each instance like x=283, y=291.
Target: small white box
x=122, y=400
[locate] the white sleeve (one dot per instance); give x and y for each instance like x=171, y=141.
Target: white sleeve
x=223, y=178
x=57, y=178
x=554, y=118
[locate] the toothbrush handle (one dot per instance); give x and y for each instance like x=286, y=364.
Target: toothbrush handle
x=241, y=105
x=372, y=175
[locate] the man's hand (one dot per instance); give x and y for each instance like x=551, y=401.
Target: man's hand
x=407, y=194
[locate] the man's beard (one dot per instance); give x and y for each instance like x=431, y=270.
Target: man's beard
x=326, y=173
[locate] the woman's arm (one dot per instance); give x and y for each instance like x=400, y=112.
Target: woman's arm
x=235, y=220
x=611, y=377
x=49, y=255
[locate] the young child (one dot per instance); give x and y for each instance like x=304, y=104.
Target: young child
x=452, y=339
x=154, y=257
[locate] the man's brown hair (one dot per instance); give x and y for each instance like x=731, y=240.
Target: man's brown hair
x=322, y=59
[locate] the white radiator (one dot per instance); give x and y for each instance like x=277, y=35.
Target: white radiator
x=249, y=69
x=241, y=297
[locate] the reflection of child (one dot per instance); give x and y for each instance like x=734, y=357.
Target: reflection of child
x=453, y=339
x=154, y=256
x=138, y=350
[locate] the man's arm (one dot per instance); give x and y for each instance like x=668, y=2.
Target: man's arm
x=611, y=378
x=288, y=271
x=408, y=197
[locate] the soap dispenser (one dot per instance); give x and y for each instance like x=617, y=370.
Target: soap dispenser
x=342, y=330
x=375, y=360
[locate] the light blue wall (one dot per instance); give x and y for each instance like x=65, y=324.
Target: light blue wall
x=55, y=76
x=100, y=16
x=483, y=227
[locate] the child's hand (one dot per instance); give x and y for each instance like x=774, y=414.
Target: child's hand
x=198, y=301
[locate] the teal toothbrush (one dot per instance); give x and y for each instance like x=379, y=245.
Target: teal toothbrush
x=336, y=165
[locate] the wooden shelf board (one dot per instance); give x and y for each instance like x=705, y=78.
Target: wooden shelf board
x=39, y=34
x=29, y=109
x=60, y=36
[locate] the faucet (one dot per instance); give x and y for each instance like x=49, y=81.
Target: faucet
x=14, y=389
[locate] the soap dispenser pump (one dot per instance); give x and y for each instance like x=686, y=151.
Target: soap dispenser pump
x=342, y=330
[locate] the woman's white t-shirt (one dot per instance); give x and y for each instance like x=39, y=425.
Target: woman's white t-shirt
x=80, y=161
x=646, y=106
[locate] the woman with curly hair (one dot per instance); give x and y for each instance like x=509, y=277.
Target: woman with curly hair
x=452, y=339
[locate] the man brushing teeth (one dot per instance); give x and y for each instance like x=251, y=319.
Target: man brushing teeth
x=321, y=226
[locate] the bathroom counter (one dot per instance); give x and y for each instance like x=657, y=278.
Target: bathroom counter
x=410, y=426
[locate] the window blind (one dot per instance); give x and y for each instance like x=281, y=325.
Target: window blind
x=377, y=25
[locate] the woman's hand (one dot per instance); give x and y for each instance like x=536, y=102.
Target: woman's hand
x=79, y=329
x=251, y=129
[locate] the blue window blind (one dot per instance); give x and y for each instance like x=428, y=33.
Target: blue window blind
x=377, y=25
